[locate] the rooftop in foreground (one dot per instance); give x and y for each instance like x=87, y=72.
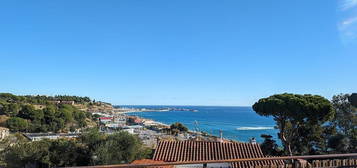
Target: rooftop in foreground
x=181, y=151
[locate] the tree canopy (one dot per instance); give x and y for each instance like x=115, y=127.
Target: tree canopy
x=53, y=118
x=46, y=153
x=300, y=120
x=17, y=124
x=344, y=136
x=353, y=99
x=41, y=114
x=41, y=99
x=92, y=148
x=269, y=146
x=177, y=128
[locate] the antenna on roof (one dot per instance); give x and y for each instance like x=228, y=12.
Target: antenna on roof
x=197, y=129
x=221, y=135
x=253, y=141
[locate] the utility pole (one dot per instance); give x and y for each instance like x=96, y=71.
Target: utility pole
x=221, y=135
x=197, y=129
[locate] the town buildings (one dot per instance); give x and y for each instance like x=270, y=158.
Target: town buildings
x=104, y=120
x=113, y=122
x=63, y=102
x=40, y=136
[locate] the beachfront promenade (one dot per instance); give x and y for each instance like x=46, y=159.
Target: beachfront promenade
x=149, y=131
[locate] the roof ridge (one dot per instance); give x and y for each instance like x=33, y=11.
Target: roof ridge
x=188, y=150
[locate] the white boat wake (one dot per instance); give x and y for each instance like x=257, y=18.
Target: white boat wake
x=254, y=128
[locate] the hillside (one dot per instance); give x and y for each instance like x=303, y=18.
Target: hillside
x=47, y=113
x=95, y=107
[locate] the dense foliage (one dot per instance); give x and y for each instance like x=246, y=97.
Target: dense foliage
x=27, y=116
x=92, y=148
x=344, y=135
x=49, y=119
x=46, y=153
x=17, y=124
x=311, y=124
x=300, y=120
x=353, y=99
x=178, y=128
x=41, y=99
x=270, y=147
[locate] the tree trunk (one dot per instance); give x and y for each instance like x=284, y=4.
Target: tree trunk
x=287, y=145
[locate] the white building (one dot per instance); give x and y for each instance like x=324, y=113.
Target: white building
x=113, y=125
x=40, y=136
x=4, y=132
x=121, y=120
x=105, y=120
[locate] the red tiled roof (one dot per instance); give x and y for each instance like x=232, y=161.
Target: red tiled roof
x=176, y=151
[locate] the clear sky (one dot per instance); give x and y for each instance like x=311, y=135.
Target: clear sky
x=178, y=52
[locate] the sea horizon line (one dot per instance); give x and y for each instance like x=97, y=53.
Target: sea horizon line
x=184, y=105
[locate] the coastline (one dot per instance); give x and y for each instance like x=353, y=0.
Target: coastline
x=121, y=109
x=236, y=123
x=190, y=132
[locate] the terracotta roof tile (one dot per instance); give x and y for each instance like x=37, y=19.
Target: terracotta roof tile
x=176, y=151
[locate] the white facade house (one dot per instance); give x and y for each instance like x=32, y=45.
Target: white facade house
x=121, y=120
x=40, y=136
x=4, y=132
x=105, y=120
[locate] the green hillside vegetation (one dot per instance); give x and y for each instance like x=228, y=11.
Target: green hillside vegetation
x=95, y=107
x=23, y=115
x=92, y=148
x=42, y=99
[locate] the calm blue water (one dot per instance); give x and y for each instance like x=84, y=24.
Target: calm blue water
x=238, y=123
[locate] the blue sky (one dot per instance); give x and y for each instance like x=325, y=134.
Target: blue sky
x=184, y=52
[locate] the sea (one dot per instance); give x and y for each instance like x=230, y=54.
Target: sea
x=236, y=123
